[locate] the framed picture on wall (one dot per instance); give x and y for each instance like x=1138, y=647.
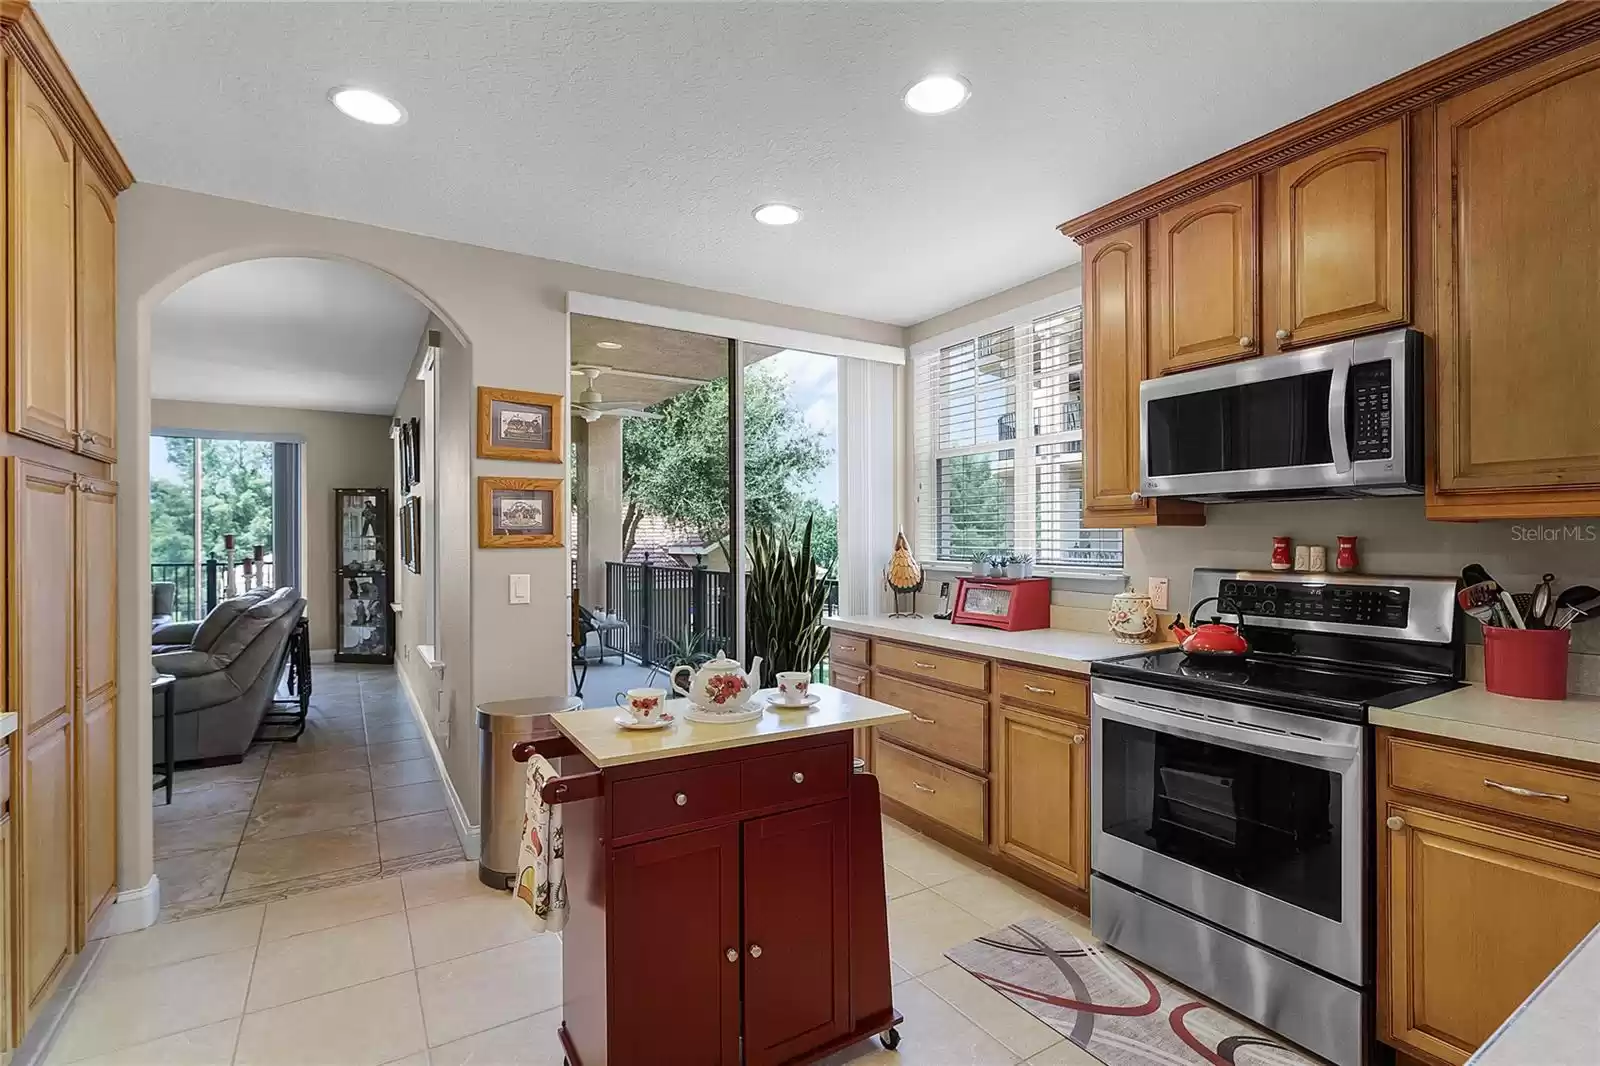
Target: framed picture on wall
x=414, y=530
x=519, y=425
x=519, y=512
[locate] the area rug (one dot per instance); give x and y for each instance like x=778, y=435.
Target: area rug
x=1117, y=1011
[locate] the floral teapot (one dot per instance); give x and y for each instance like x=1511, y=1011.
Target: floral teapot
x=720, y=685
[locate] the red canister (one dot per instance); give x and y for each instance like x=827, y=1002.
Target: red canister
x=1531, y=663
x=1282, y=553
x=1347, y=559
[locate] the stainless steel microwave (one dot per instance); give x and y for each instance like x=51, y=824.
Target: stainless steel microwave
x=1341, y=419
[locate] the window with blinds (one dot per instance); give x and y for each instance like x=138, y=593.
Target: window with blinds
x=999, y=448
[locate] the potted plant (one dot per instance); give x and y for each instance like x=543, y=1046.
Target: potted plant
x=980, y=564
x=1019, y=564
x=786, y=593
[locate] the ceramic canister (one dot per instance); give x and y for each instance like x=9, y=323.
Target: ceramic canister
x=1132, y=619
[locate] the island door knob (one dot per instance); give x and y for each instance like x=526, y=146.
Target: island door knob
x=755, y=951
x=1283, y=334
x=733, y=954
x=1395, y=822
x=680, y=799
x=799, y=778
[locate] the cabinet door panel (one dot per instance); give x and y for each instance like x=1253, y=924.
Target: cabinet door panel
x=97, y=718
x=1476, y=917
x=44, y=323
x=48, y=917
x=1114, y=354
x=1205, y=290
x=797, y=912
x=1518, y=240
x=42, y=578
x=97, y=315
x=7, y=971
x=1041, y=793
x=674, y=915
x=1341, y=223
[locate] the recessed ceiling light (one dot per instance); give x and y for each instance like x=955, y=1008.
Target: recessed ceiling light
x=937, y=94
x=777, y=214
x=364, y=105
x=609, y=346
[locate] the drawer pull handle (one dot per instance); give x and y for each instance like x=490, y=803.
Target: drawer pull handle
x=847, y=647
x=1077, y=738
x=915, y=717
x=1395, y=822
x=681, y=800
x=732, y=954
x=924, y=666
x=799, y=778
x=1528, y=793
x=920, y=787
x=1040, y=691
x=755, y=951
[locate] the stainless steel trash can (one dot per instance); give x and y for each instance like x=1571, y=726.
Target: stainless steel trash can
x=502, y=781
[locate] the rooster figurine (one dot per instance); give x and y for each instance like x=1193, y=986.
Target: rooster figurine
x=904, y=578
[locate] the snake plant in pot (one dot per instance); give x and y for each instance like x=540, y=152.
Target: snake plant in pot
x=785, y=596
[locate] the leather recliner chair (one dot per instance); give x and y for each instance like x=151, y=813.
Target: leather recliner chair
x=227, y=675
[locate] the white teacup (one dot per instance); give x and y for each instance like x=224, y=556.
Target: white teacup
x=645, y=704
x=793, y=687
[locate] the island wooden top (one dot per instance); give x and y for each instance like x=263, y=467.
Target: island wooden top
x=606, y=744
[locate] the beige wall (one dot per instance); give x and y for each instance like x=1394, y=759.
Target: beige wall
x=337, y=450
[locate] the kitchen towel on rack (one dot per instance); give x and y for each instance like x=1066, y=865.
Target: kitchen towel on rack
x=541, y=874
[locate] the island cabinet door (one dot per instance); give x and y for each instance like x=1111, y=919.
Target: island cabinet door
x=797, y=932
x=675, y=951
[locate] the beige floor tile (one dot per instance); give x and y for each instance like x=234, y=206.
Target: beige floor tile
x=332, y=907
x=411, y=772
x=199, y=834
x=478, y=992
x=270, y=861
x=389, y=732
x=417, y=834
x=273, y=819
x=529, y=1042
x=898, y=973
x=402, y=800
x=398, y=751
x=249, y=769
x=315, y=786
x=925, y=862
x=328, y=736
x=314, y=762
x=310, y=964
x=140, y=1007
x=999, y=901
x=194, y=875
x=1020, y=1032
x=340, y=709
x=935, y=1034
x=366, y=1025
x=170, y=942
x=892, y=828
x=436, y=884
x=1065, y=1053
x=419, y=1059
x=226, y=797
x=465, y=926
x=390, y=713
x=924, y=925
x=897, y=884
x=209, y=1045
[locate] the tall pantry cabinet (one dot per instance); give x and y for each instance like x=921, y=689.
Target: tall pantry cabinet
x=58, y=771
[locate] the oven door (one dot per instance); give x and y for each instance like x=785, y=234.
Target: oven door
x=1247, y=817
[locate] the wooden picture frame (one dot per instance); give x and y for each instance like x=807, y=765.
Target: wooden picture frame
x=519, y=425
x=538, y=522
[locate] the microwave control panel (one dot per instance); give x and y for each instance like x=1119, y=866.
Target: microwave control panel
x=1363, y=605
x=1371, y=396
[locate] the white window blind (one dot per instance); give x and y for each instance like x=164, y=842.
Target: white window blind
x=999, y=448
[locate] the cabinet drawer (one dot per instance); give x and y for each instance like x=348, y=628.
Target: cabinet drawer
x=933, y=667
x=850, y=679
x=849, y=648
x=650, y=804
x=1562, y=797
x=941, y=723
x=811, y=775
x=1055, y=691
x=943, y=793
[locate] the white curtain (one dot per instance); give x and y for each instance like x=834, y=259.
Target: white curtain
x=869, y=410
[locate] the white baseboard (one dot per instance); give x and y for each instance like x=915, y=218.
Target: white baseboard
x=321, y=656
x=131, y=910
x=466, y=831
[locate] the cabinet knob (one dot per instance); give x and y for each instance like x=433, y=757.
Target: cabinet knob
x=1135, y=496
x=1245, y=342
x=1077, y=738
x=1395, y=822
x=732, y=954
x=755, y=951
x=798, y=777
x=680, y=799
x=1283, y=334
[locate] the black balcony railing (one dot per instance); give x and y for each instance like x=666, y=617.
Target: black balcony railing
x=193, y=602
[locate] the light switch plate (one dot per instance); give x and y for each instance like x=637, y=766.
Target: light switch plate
x=1158, y=593
x=521, y=588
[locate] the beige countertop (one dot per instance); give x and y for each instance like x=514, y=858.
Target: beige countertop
x=1567, y=729
x=8, y=724
x=1056, y=649
x=1557, y=1025
x=606, y=744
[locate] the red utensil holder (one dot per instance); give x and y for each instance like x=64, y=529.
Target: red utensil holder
x=1531, y=663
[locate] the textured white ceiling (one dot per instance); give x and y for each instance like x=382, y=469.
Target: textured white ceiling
x=285, y=332
x=638, y=137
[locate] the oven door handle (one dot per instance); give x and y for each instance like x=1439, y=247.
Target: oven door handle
x=1234, y=736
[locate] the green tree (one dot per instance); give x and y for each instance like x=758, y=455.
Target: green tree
x=824, y=534
x=976, y=503
x=235, y=497
x=172, y=504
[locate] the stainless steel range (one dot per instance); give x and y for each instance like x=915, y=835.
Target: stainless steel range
x=1232, y=843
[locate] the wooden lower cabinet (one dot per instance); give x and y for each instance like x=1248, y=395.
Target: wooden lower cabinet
x=1041, y=792
x=950, y=796
x=7, y=985
x=857, y=680
x=97, y=699
x=47, y=922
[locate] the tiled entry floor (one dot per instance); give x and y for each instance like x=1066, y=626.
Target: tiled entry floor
x=432, y=969
x=356, y=797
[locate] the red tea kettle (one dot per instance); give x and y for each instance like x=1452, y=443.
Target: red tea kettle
x=1216, y=640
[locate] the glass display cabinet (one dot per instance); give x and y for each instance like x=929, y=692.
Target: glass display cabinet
x=362, y=578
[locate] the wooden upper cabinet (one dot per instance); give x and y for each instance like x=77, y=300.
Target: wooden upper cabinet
x=1517, y=245
x=1341, y=240
x=97, y=714
x=1204, y=292
x=97, y=315
x=42, y=275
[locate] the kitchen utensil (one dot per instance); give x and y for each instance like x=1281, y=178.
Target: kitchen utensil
x=1473, y=574
x=1481, y=601
x=1213, y=640
x=1576, y=594
x=1511, y=610
x=1544, y=600
x=1524, y=602
x=1573, y=614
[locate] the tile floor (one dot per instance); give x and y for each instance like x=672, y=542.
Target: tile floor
x=355, y=798
x=429, y=968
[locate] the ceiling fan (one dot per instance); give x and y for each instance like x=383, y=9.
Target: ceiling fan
x=591, y=406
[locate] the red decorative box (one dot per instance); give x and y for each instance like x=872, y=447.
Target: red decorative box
x=1003, y=603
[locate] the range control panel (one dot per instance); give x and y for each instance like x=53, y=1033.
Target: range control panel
x=1364, y=605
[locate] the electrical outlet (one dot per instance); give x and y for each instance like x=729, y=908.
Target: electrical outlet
x=1158, y=593
x=521, y=588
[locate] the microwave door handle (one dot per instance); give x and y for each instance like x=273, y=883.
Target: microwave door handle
x=1338, y=435
x=1269, y=744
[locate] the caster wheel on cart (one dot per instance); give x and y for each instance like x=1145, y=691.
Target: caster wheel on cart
x=890, y=1040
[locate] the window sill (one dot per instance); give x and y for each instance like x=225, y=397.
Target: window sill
x=1086, y=580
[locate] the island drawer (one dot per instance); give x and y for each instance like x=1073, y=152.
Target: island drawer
x=941, y=723
x=660, y=802
x=1042, y=689
x=932, y=667
x=1498, y=782
x=809, y=775
x=947, y=795
x=851, y=649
